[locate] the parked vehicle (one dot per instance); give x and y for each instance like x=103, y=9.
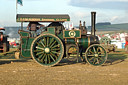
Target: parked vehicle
x=4, y=44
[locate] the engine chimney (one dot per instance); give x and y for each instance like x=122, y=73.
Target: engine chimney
x=93, y=20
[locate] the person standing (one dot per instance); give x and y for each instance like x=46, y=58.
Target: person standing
x=126, y=43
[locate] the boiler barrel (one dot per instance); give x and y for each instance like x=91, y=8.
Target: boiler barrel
x=84, y=41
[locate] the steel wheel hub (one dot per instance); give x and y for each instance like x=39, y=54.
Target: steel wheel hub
x=96, y=55
x=47, y=50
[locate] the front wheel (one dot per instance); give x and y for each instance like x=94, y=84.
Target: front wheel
x=96, y=55
x=47, y=50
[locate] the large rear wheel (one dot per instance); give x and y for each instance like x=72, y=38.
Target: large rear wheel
x=47, y=50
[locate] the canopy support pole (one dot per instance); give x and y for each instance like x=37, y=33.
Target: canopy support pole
x=21, y=25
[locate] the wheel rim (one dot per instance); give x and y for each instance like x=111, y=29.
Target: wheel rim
x=47, y=50
x=96, y=55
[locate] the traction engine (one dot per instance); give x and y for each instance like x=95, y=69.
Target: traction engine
x=54, y=42
x=4, y=44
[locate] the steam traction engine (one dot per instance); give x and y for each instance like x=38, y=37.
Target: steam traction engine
x=4, y=44
x=54, y=42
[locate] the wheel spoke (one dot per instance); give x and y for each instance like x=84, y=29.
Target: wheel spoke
x=53, y=44
x=39, y=53
x=49, y=59
x=43, y=58
x=46, y=59
x=54, y=55
x=51, y=41
x=90, y=55
x=97, y=61
x=102, y=55
x=94, y=61
x=52, y=58
x=94, y=49
x=40, y=45
x=98, y=49
x=99, y=52
x=47, y=41
x=91, y=58
x=100, y=58
x=90, y=51
x=55, y=49
x=55, y=52
x=39, y=48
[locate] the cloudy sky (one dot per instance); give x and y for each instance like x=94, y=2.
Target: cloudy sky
x=114, y=11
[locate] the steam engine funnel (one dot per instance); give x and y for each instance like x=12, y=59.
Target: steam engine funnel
x=93, y=20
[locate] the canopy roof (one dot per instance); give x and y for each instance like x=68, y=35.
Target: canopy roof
x=42, y=18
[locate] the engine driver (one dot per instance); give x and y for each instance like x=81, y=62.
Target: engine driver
x=33, y=27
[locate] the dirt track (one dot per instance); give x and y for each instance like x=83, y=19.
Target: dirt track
x=28, y=72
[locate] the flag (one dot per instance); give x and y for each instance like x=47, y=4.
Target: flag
x=20, y=2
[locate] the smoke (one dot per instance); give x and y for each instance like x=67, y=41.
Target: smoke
x=119, y=19
x=114, y=18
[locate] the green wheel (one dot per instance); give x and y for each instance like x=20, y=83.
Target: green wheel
x=96, y=55
x=47, y=50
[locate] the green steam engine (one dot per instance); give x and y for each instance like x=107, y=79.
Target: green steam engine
x=54, y=42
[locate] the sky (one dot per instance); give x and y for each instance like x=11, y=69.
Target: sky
x=114, y=11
